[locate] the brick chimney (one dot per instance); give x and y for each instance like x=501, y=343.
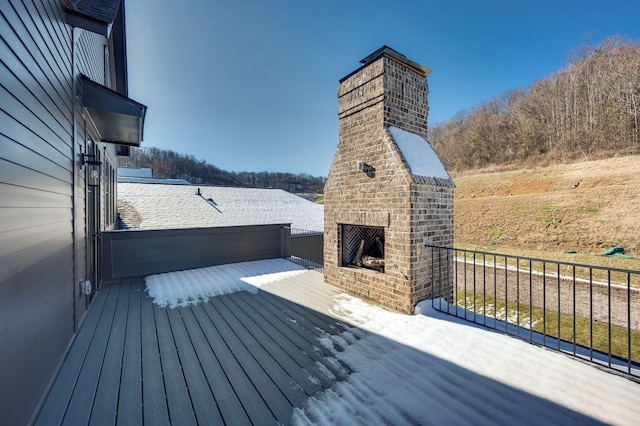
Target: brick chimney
x=387, y=196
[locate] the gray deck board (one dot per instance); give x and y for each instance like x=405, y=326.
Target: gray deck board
x=309, y=291
x=243, y=387
x=282, y=369
x=130, y=397
x=294, y=331
x=79, y=409
x=253, y=360
x=308, y=317
x=154, y=401
x=281, y=344
x=241, y=358
x=178, y=401
x=204, y=405
x=105, y=406
x=301, y=327
x=300, y=336
x=55, y=406
x=228, y=402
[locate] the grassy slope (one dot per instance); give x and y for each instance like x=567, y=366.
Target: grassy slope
x=540, y=212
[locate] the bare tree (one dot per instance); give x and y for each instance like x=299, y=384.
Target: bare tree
x=590, y=107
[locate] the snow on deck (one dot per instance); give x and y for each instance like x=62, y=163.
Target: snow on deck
x=190, y=287
x=432, y=368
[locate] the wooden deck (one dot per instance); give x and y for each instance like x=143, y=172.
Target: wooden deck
x=241, y=358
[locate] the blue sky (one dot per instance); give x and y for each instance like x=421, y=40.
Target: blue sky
x=251, y=85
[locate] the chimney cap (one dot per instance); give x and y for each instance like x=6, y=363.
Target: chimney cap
x=393, y=54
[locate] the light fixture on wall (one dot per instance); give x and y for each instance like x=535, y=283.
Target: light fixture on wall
x=93, y=177
x=364, y=167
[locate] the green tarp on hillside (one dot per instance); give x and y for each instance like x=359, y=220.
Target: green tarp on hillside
x=617, y=251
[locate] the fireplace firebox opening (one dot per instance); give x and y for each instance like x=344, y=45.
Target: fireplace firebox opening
x=362, y=247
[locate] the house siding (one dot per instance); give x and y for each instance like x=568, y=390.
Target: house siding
x=42, y=235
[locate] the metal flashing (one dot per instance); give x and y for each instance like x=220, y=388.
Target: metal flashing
x=386, y=50
x=117, y=118
x=118, y=52
x=79, y=20
x=394, y=55
x=92, y=15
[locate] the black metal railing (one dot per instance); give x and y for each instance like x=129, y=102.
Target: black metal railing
x=305, y=248
x=590, y=312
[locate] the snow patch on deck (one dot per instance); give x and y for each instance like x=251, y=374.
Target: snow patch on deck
x=432, y=368
x=189, y=287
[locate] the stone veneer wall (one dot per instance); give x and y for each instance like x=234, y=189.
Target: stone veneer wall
x=384, y=93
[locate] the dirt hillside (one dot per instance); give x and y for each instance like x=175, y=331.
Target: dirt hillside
x=588, y=207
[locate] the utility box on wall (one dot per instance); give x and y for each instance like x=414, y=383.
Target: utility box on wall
x=387, y=196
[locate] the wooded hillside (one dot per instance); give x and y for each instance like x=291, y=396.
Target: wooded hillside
x=540, y=212
x=169, y=164
x=588, y=110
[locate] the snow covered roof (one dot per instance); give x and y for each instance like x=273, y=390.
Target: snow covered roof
x=161, y=206
x=422, y=160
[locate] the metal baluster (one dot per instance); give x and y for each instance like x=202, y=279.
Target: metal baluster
x=544, y=303
x=518, y=297
x=574, y=310
x=558, y=315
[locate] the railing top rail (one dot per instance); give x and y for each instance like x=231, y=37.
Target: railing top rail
x=304, y=231
x=194, y=228
x=533, y=259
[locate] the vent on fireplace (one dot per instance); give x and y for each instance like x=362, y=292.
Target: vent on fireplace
x=363, y=247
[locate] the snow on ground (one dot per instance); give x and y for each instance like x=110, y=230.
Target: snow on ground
x=432, y=368
x=193, y=286
x=502, y=314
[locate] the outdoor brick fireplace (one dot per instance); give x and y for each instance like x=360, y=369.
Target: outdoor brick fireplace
x=387, y=196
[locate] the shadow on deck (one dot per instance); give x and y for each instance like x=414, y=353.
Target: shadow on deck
x=253, y=358
x=240, y=358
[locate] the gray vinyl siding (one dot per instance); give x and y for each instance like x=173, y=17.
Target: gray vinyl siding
x=91, y=60
x=39, y=263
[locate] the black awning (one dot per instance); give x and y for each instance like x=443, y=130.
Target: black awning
x=117, y=118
